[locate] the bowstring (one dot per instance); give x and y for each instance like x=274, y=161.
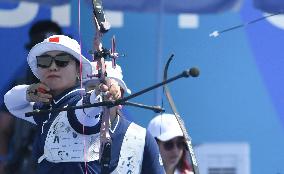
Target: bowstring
x=81, y=81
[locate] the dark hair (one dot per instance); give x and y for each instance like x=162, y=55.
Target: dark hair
x=41, y=30
x=183, y=164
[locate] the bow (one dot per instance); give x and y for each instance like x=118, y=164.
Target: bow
x=102, y=26
x=194, y=72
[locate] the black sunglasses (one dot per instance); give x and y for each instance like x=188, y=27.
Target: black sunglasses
x=61, y=60
x=169, y=145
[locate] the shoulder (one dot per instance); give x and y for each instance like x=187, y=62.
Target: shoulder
x=150, y=140
x=136, y=127
x=133, y=128
x=135, y=132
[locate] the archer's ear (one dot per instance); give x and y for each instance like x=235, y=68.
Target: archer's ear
x=122, y=92
x=78, y=68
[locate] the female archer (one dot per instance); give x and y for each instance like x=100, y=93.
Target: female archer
x=69, y=141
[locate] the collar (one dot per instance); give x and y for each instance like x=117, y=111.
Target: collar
x=114, y=124
x=67, y=94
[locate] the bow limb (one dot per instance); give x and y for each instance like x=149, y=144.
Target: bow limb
x=179, y=119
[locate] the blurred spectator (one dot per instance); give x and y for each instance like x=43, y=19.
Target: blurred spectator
x=168, y=134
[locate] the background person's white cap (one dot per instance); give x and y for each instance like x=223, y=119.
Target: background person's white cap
x=164, y=127
x=59, y=43
x=114, y=73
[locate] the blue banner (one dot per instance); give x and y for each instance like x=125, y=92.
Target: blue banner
x=270, y=6
x=171, y=6
x=48, y=2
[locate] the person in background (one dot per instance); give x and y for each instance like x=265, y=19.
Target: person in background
x=6, y=122
x=16, y=137
x=169, y=137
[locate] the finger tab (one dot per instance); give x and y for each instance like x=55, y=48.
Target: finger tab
x=42, y=90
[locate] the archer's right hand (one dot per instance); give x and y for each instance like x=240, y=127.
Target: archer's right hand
x=111, y=92
x=38, y=92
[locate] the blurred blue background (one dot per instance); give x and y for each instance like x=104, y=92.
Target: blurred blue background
x=239, y=94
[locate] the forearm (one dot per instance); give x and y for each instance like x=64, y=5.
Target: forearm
x=16, y=103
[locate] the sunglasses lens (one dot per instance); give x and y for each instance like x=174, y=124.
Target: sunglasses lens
x=62, y=60
x=44, y=61
x=180, y=145
x=63, y=57
x=60, y=63
x=168, y=145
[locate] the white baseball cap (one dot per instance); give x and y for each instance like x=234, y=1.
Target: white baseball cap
x=114, y=73
x=165, y=127
x=59, y=43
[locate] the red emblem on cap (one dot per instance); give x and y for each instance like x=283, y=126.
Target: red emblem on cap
x=54, y=39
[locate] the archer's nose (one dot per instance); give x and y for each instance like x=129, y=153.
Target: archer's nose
x=53, y=66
